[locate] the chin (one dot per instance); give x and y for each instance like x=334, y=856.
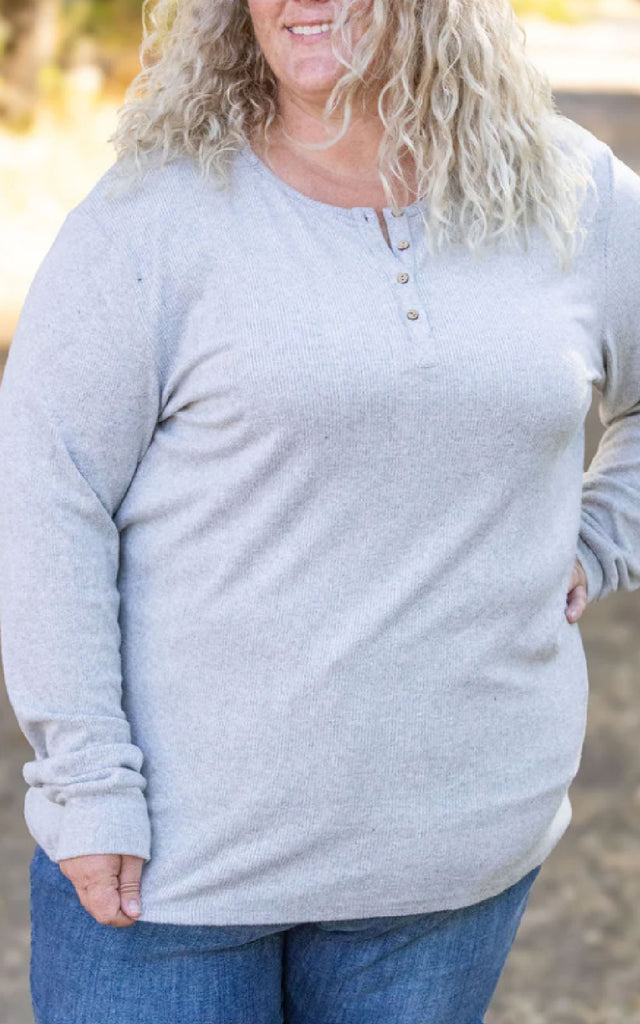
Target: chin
x=316, y=83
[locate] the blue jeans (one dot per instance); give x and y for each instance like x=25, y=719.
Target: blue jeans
x=434, y=968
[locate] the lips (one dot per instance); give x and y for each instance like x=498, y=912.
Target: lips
x=310, y=29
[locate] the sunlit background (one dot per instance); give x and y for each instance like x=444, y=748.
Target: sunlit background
x=64, y=67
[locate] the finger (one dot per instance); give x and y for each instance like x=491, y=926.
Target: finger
x=581, y=576
x=576, y=602
x=100, y=897
x=130, y=873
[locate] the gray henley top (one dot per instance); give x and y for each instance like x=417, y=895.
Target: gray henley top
x=287, y=525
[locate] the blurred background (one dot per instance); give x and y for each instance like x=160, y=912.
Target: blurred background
x=64, y=67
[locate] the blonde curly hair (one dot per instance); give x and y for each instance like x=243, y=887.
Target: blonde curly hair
x=455, y=88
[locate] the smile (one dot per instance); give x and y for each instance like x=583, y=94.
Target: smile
x=310, y=30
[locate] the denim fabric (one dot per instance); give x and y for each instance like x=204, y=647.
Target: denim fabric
x=435, y=968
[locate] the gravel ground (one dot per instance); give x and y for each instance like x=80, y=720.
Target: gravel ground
x=575, y=959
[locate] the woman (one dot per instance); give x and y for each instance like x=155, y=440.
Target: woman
x=295, y=534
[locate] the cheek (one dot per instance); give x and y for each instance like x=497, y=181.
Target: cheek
x=358, y=21
x=359, y=14
x=265, y=15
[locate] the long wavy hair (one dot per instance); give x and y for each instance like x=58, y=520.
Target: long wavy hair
x=455, y=90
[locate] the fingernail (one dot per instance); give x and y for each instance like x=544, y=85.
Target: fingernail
x=132, y=907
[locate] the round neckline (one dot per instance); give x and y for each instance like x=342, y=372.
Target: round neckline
x=347, y=212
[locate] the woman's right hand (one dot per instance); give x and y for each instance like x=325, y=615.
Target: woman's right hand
x=107, y=884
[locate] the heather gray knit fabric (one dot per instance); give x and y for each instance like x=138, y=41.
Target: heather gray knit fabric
x=288, y=520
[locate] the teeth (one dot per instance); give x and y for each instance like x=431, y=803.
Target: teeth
x=310, y=30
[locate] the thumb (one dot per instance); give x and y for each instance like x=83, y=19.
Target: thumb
x=129, y=886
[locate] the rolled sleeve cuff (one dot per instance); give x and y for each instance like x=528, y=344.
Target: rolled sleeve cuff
x=113, y=823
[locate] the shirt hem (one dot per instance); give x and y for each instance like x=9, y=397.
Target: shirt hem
x=209, y=912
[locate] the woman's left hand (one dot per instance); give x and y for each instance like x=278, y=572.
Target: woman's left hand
x=577, y=593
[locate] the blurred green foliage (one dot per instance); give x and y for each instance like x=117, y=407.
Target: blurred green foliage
x=115, y=25
x=110, y=21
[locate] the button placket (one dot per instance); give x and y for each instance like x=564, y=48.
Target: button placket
x=409, y=297
x=400, y=263
x=398, y=236
x=403, y=244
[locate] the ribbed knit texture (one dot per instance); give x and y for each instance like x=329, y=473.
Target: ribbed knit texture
x=282, y=571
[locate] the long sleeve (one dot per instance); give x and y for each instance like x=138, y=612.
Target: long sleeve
x=609, y=538
x=78, y=407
